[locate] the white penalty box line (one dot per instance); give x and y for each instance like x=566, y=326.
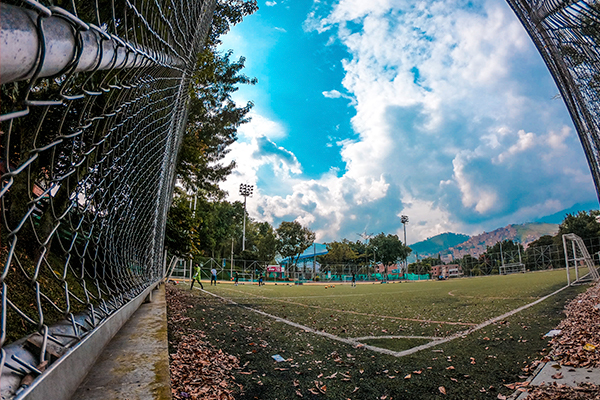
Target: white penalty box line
x=355, y=342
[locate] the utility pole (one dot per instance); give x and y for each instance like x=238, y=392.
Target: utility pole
x=245, y=190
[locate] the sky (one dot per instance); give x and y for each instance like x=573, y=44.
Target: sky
x=440, y=110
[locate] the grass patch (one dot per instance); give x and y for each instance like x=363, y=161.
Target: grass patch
x=474, y=367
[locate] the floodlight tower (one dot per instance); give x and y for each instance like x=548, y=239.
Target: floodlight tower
x=245, y=190
x=404, y=220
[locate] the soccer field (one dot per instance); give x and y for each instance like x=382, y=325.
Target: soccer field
x=396, y=316
x=469, y=336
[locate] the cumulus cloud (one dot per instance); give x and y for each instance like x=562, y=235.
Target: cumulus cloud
x=451, y=129
x=259, y=126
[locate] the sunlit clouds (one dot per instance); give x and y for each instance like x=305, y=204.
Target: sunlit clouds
x=454, y=122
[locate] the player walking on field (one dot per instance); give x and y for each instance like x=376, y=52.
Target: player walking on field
x=196, y=277
x=353, y=279
x=213, y=276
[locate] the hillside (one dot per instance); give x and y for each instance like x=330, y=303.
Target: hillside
x=524, y=234
x=438, y=243
x=458, y=244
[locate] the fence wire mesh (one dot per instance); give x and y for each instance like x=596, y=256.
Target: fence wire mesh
x=93, y=103
x=567, y=34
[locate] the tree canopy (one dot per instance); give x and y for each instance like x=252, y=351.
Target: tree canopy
x=294, y=239
x=389, y=248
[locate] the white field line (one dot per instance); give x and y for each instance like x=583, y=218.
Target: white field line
x=354, y=341
x=358, y=339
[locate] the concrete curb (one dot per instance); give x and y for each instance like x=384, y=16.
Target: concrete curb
x=135, y=364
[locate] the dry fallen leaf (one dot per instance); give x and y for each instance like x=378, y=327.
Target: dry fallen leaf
x=558, y=375
x=408, y=376
x=442, y=390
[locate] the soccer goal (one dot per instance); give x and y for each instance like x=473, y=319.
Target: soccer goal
x=512, y=268
x=577, y=255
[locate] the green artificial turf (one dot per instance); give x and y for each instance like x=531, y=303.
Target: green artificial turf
x=475, y=366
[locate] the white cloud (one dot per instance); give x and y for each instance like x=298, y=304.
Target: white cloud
x=270, y=3
x=451, y=129
x=260, y=125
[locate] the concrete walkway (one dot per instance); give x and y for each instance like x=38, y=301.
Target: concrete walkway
x=564, y=375
x=135, y=364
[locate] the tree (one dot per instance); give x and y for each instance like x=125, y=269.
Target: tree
x=211, y=128
x=424, y=265
x=339, y=253
x=543, y=254
x=266, y=246
x=389, y=248
x=506, y=251
x=212, y=123
x=178, y=235
x=583, y=224
x=293, y=240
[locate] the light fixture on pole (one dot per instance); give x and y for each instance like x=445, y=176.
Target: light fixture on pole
x=245, y=190
x=404, y=220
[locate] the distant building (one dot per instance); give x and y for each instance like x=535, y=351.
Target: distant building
x=446, y=271
x=447, y=258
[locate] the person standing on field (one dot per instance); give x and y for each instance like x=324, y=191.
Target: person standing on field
x=213, y=276
x=196, y=277
x=237, y=278
x=353, y=279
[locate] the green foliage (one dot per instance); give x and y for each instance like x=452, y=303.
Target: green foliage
x=227, y=14
x=389, y=249
x=294, y=239
x=339, y=253
x=212, y=122
x=211, y=128
x=266, y=243
x=583, y=224
x=424, y=265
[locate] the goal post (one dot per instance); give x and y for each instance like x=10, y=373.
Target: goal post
x=577, y=254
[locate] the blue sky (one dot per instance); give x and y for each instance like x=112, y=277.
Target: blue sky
x=441, y=110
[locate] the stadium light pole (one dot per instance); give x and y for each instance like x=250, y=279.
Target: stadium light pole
x=404, y=220
x=245, y=190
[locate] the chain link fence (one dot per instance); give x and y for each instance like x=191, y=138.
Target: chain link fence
x=93, y=104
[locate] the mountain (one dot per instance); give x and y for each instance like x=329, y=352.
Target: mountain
x=457, y=245
x=524, y=234
x=438, y=243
